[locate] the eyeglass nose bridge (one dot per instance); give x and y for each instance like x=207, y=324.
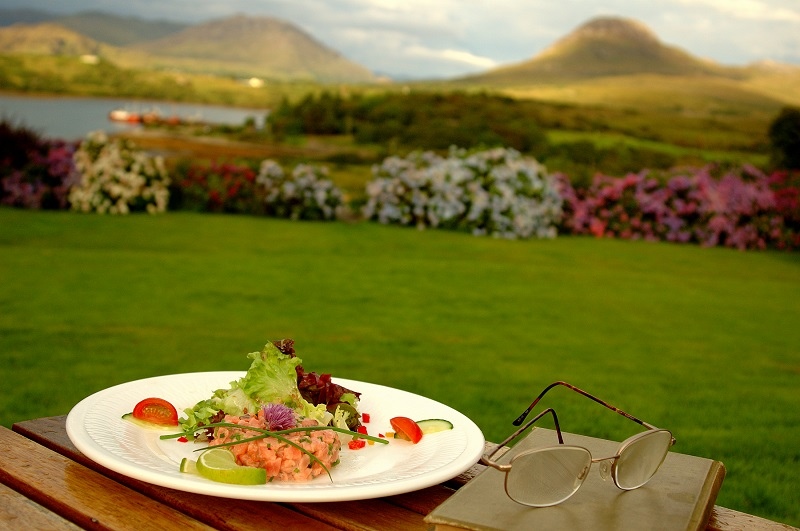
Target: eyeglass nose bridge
x=606, y=467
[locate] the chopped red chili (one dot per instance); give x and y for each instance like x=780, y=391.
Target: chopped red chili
x=356, y=444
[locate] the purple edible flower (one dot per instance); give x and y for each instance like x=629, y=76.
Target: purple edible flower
x=278, y=417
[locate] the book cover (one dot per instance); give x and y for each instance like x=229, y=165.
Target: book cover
x=680, y=496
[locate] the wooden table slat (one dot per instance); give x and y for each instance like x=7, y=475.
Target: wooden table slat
x=20, y=512
x=422, y=501
x=723, y=519
x=79, y=494
x=374, y=514
x=220, y=513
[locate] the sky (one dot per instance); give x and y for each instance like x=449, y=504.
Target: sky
x=449, y=38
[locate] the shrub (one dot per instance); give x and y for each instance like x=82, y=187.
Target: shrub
x=219, y=187
x=495, y=192
x=16, y=142
x=786, y=187
x=737, y=209
x=306, y=194
x=415, y=120
x=34, y=172
x=784, y=136
x=117, y=178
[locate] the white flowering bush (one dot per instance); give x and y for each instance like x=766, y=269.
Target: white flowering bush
x=307, y=193
x=117, y=178
x=496, y=192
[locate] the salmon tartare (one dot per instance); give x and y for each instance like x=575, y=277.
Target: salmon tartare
x=282, y=461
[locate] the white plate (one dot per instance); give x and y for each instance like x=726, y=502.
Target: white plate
x=96, y=428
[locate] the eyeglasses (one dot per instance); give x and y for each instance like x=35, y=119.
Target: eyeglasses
x=543, y=477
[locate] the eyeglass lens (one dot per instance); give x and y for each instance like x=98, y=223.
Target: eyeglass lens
x=641, y=458
x=545, y=477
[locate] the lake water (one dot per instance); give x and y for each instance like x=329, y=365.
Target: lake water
x=71, y=118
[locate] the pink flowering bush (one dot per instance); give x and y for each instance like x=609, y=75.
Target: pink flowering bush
x=34, y=172
x=737, y=209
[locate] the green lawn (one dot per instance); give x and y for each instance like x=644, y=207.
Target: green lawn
x=702, y=341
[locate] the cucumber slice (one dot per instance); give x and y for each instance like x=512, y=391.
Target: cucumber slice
x=434, y=425
x=149, y=425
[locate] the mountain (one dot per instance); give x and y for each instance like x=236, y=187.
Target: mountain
x=116, y=30
x=239, y=46
x=46, y=39
x=255, y=46
x=605, y=46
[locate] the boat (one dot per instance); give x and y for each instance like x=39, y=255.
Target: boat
x=122, y=115
x=149, y=117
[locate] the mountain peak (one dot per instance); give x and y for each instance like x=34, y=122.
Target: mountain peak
x=604, y=46
x=620, y=36
x=615, y=28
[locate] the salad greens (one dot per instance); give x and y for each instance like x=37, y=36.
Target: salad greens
x=272, y=378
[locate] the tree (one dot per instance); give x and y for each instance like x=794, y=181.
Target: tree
x=784, y=136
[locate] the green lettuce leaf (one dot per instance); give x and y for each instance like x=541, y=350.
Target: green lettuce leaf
x=272, y=377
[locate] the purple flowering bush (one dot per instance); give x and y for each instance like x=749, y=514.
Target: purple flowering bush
x=738, y=209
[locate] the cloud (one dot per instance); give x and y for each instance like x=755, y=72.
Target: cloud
x=749, y=9
x=456, y=56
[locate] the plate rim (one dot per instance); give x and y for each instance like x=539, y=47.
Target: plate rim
x=77, y=432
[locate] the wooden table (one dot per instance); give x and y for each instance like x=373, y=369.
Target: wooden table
x=45, y=483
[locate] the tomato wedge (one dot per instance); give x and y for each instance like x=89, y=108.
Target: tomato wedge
x=407, y=427
x=156, y=411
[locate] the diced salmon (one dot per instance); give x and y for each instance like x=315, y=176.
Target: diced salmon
x=282, y=461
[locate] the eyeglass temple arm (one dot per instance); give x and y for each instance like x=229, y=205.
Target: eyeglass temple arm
x=514, y=435
x=519, y=420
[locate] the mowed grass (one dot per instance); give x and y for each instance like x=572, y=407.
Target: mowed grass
x=702, y=341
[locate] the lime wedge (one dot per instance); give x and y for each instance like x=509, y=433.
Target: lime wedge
x=188, y=466
x=218, y=464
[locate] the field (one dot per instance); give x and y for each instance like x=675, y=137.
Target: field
x=701, y=341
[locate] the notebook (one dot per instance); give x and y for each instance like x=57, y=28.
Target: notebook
x=680, y=496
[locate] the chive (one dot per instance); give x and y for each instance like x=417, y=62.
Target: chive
x=264, y=433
